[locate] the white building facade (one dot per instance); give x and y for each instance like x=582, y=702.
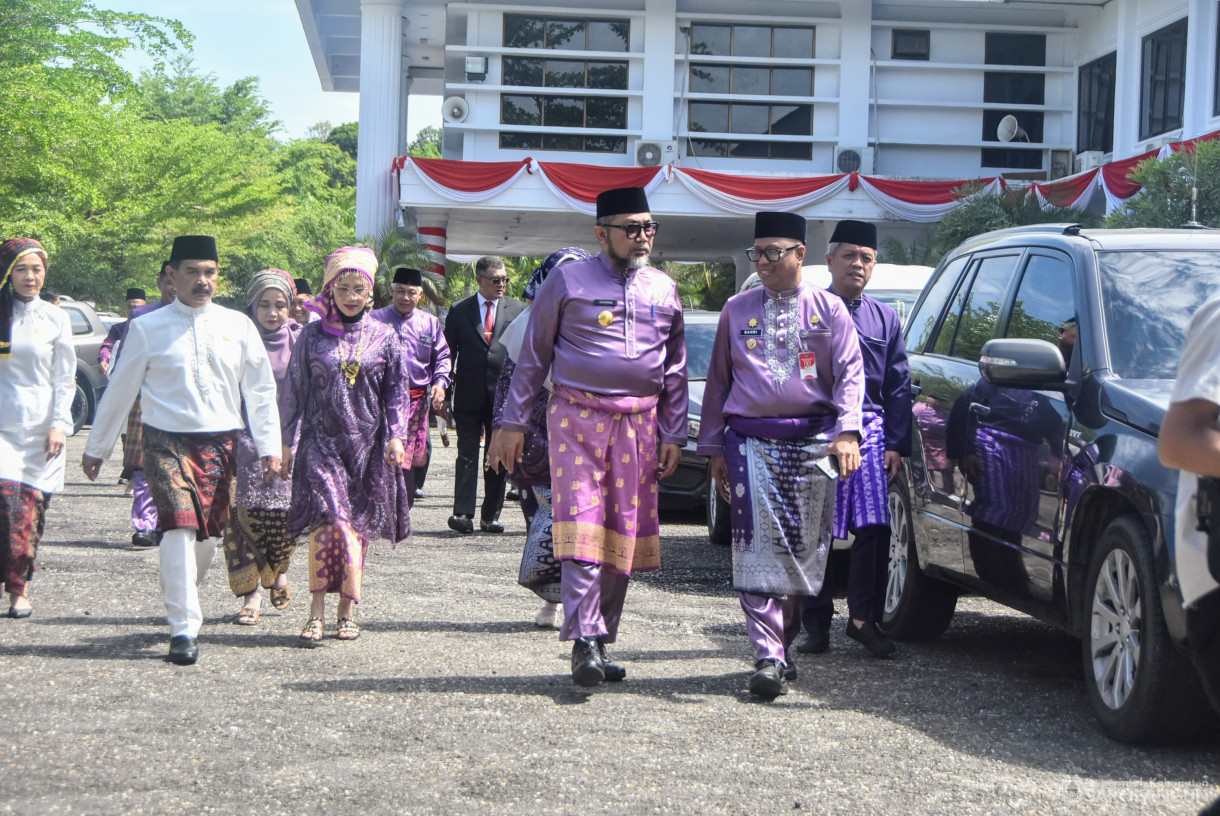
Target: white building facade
x=749, y=106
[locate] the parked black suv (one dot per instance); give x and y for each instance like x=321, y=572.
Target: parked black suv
x=1042, y=360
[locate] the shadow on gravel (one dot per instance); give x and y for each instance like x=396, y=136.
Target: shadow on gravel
x=125, y=647
x=559, y=687
x=94, y=620
x=99, y=545
x=500, y=627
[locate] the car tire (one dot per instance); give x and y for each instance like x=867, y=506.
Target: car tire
x=916, y=607
x=718, y=511
x=1141, y=688
x=82, y=407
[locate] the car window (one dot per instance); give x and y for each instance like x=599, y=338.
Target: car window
x=699, y=339
x=1045, y=306
x=923, y=322
x=80, y=323
x=982, y=306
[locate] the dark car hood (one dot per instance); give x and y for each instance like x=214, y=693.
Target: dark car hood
x=1141, y=403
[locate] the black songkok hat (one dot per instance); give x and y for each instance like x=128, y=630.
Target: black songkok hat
x=165, y=268
x=860, y=233
x=408, y=276
x=622, y=200
x=194, y=248
x=779, y=225
x=136, y=294
x=302, y=286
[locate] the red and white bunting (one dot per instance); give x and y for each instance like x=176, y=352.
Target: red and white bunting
x=746, y=195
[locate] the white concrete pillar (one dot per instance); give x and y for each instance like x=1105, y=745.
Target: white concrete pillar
x=1127, y=82
x=855, y=73
x=660, y=37
x=1200, y=50
x=380, y=83
x=433, y=232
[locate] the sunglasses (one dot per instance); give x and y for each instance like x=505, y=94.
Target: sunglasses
x=633, y=231
x=772, y=254
x=497, y=280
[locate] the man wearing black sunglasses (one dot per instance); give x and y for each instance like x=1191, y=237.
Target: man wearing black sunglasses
x=610, y=331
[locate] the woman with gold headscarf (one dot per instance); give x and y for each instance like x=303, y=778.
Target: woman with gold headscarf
x=346, y=393
x=37, y=383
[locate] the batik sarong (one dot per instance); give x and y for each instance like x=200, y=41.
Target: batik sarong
x=861, y=500
x=257, y=548
x=133, y=440
x=191, y=476
x=417, y=429
x=782, y=504
x=23, y=512
x=540, y=572
x=603, y=452
x=336, y=560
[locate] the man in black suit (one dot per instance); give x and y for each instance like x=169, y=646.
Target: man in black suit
x=472, y=329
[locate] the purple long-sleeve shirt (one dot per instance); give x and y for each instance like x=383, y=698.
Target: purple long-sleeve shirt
x=887, y=376
x=599, y=328
x=425, y=354
x=122, y=333
x=761, y=364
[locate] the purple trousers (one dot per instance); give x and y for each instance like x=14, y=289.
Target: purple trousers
x=143, y=510
x=772, y=623
x=593, y=598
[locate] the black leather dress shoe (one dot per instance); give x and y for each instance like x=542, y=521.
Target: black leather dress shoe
x=870, y=637
x=491, y=526
x=419, y=494
x=614, y=672
x=183, y=650
x=512, y=495
x=789, y=667
x=586, y=663
x=462, y=524
x=140, y=538
x=814, y=642
x=768, y=681
x=20, y=613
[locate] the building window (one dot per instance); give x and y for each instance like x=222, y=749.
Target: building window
x=593, y=112
x=1163, y=80
x=1095, y=105
x=1015, y=49
x=780, y=42
x=523, y=31
x=750, y=80
x=911, y=44
x=563, y=73
x=1014, y=88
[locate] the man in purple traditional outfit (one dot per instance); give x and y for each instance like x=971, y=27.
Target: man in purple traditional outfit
x=193, y=365
x=425, y=361
x=611, y=332
x=136, y=298
x=143, y=509
x=783, y=397
x=862, y=506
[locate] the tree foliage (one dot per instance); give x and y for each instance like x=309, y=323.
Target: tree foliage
x=1169, y=186
x=106, y=168
x=427, y=143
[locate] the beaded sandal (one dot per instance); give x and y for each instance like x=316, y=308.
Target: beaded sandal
x=312, y=633
x=348, y=630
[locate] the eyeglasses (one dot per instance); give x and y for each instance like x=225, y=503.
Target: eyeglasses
x=772, y=254
x=498, y=280
x=632, y=231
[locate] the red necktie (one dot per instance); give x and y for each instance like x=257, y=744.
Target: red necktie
x=489, y=324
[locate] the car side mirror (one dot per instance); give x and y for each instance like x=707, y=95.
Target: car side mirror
x=1020, y=363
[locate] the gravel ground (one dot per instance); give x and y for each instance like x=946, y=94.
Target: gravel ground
x=453, y=702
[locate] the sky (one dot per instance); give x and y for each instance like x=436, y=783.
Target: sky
x=264, y=38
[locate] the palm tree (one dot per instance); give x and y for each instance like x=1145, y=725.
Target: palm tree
x=395, y=247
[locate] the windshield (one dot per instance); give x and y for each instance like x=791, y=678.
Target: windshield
x=699, y=339
x=900, y=300
x=1149, y=298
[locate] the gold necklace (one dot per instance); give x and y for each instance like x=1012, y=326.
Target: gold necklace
x=350, y=368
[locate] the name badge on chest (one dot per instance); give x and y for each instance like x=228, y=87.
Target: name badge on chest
x=809, y=365
x=605, y=303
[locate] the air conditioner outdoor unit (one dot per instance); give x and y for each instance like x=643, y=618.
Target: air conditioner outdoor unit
x=1089, y=160
x=853, y=160
x=649, y=153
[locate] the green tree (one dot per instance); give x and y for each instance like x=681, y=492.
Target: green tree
x=427, y=144
x=983, y=213
x=346, y=137
x=1169, y=185
x=181, y=92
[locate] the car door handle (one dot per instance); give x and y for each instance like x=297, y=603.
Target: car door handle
x=980, y=410
x=916, y=390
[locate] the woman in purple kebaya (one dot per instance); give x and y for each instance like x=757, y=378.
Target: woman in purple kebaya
x=346, y=393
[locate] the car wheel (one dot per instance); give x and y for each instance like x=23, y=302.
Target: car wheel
x=717, y=516
x=80, y=408
x=1141, y=688
x=916, y=607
